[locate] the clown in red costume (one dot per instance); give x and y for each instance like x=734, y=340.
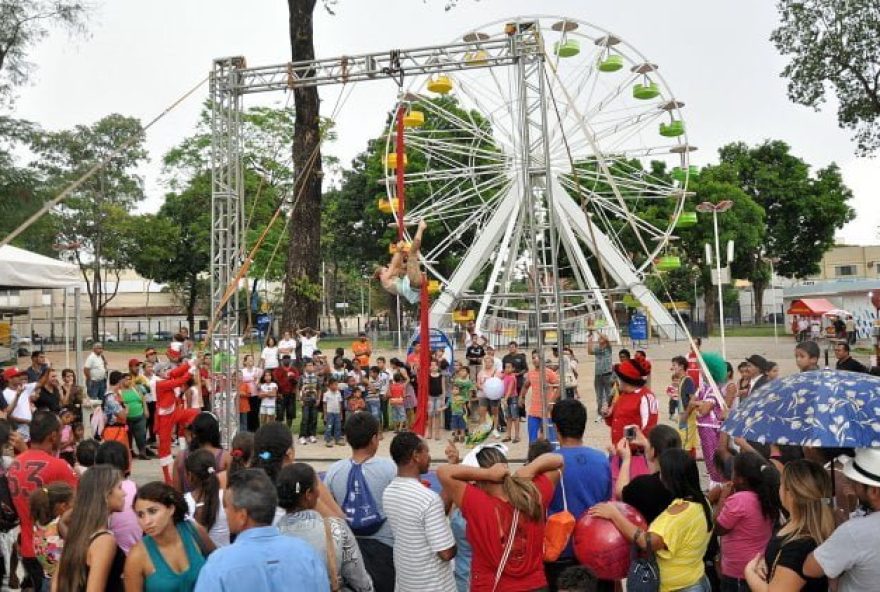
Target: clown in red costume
x=170, y=413
x=636, y=405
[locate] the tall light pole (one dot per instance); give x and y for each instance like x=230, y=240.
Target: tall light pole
x=773, y=260
x=721, y=207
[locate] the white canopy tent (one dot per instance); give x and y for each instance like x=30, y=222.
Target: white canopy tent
x=21, y=269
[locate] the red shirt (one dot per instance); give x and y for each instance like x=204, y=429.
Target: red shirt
x=637, y=408
x=30, y=470
x=488, y=524
x=285, y=378
x=693, y=369
x=166, y=397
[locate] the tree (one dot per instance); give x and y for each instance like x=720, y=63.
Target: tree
x=96, y=216
x=835, y=45
x=803, y=211
x=23, y=24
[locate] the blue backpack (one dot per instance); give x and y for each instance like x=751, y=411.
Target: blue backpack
x=360, y=507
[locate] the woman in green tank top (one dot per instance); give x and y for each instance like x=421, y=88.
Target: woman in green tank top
x=173, y=550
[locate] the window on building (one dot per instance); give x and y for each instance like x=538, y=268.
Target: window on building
x=9, y=298
x=47, y=297
x=846, y=270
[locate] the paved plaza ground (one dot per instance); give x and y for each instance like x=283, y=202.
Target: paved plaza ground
x=738, y=348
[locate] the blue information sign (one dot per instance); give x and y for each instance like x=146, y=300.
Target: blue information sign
x=638, y=327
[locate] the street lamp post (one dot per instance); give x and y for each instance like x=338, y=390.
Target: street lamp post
x=721, y=207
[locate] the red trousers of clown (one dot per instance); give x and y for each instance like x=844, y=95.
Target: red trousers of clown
x=164, y=428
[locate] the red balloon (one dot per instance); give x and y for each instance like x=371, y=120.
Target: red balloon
x=599, y=546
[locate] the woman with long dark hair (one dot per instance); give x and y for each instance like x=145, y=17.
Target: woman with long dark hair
x=804, y=490
x=298, y=494
x=173, y=550
x=204, y=434
x=205, y=501
x=91, y=560
x=680, y=535
x=493, y=501
x=747, y=517
x=71, y=394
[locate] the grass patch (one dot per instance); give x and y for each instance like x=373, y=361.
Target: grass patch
x=749, y=331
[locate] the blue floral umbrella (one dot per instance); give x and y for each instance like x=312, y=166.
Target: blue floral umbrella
x=823, y=408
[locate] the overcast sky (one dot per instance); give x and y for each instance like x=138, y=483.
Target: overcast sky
x=716, y=56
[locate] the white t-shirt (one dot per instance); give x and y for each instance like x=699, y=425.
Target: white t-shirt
x=268, y=402
x=269, y=357
x=852, y=553
x=309, y=345
x=287, y=346
x=151, y=396
x=23, y=408
x=333, y=400
x=219, y=533
x=250, y=376
x=97, y=367
x=421, y=530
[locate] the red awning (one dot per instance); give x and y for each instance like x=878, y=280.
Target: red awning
x=812, y=307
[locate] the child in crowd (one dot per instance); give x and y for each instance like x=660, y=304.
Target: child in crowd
x=537, y=448
x=308, y=395
x=436, y=401
x=467, y=389
x=576, y=579
x=806, y=356
x=332, y=401
x=374, y=395
x=511, y=403
x=47, y=504
x=458, y=404
x=772, y=370
x=396, y=394
x=85, y=455
x=482, y=428
x=268, y=395
x=356, y=401
x=67, y=447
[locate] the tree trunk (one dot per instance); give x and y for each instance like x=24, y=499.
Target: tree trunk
x=758, y=286
x=710, y=298
x=301, y=283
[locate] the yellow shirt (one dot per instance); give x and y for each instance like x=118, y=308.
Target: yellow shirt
x=686, y=537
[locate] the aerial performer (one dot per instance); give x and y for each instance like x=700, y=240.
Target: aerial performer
x=403, y=276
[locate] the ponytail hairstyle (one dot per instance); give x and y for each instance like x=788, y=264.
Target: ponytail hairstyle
x=241, y=453
x=271, y=443
x=294, y=481
x=807, y=486
x=91, y=516
x=753, y=473
x=200, y=468
x=44, y=501
x=679, y=474
x=162, y=493
x=521, y=493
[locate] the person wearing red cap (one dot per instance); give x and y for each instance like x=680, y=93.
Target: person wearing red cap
x=12, y=391
x=636, y=405
x=169, y=413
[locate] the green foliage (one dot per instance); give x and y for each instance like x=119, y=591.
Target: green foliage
x=803, y=211
x=23, y=24
x=835, y=46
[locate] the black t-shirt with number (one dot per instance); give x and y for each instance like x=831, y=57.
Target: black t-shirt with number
x=517, y=360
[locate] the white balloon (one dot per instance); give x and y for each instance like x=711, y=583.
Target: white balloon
x=493, y=388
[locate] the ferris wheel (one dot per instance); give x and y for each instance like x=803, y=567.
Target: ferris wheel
x=569, y=168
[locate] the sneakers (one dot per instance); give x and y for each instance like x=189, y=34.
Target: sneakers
x=302, y=441
x=495, y=434
x=340, y=442
x=312, y=439
x=329, y=444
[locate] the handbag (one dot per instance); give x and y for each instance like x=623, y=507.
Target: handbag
x=643, y=574
x=558, y=528
x=332, y=570
x=507, y=548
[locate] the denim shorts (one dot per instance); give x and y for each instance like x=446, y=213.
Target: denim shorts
x=434, y=405
x=457, y=422
x=398, y=413
x=513, y=409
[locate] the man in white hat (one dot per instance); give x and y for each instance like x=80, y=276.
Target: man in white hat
x=852, y=553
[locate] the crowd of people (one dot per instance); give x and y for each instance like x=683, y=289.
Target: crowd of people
x=249, y=516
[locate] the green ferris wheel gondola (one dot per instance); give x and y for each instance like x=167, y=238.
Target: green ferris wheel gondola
x=647, y=91
x=668, y=263
x=567, y=49
x=686, y=220
x=672, y=129
x=612, y=63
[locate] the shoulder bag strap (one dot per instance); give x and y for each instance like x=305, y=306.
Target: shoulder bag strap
x=332, y=569
x=507, y=548
x=562, y=487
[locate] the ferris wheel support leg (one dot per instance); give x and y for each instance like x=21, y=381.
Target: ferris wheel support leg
x=619, y=267
x=475, y=259
x=570, y=240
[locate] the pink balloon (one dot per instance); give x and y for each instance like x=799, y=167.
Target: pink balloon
x=599, y=546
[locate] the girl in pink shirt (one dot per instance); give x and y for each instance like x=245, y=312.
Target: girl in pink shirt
x=747, y=516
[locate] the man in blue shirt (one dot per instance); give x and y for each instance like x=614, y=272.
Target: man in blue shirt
x=262, y=559
x=586, y=478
